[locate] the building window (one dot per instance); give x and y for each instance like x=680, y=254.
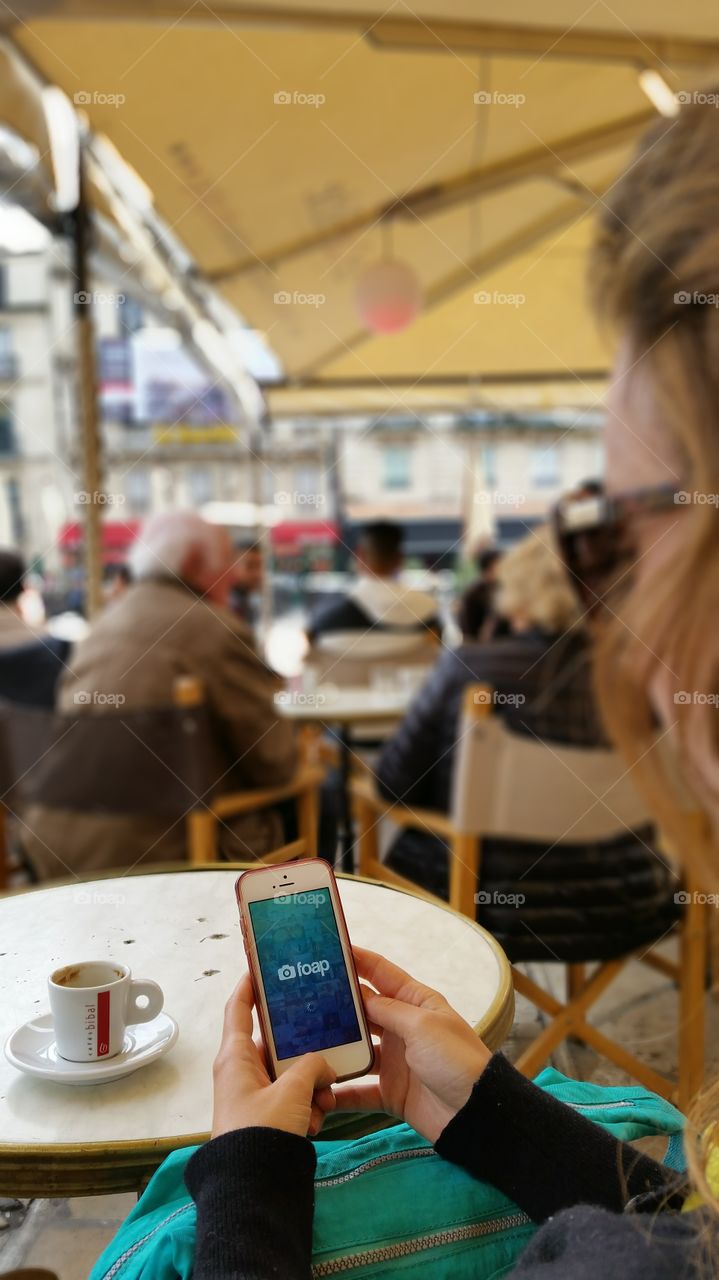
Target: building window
x=8, y=367
x=132, y=316
x=8, y=442
x=138, y=491
x=202, y=489
x=115, y=360
x=545, y=466
x=307, y=485
x=397, y=463
x=17, y=523
x=488, y=463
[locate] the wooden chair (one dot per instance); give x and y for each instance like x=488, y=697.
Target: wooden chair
x=203, y=822
x=513, y=786
x=162, y=763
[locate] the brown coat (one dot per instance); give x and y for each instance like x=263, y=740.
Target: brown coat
x=155, y=632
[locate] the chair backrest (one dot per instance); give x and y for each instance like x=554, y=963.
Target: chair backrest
x=30, y=672
x=349, y=658
x=514, y=786
x=111, y=761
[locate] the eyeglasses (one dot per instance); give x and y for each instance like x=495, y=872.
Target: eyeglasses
x=596, y=535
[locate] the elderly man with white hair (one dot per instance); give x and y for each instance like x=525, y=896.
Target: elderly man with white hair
x=172, y=621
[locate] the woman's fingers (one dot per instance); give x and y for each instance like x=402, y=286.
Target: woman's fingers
x=238, y=1010
x=364, y=1096
x=313, y=1071
x=375, y=1030
x=393, y=1015
x=324, y=1099
x=394, y=982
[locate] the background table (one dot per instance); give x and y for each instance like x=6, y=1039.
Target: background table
x=181, y=928
x=340, y=710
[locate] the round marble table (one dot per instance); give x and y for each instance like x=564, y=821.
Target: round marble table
x=181, y=928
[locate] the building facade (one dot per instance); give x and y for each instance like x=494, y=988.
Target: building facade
x=171, y=438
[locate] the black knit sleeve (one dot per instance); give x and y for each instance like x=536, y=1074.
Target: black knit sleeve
x=540, y=1152
x=254, y=1191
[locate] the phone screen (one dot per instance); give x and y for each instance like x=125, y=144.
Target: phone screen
x=307, y=988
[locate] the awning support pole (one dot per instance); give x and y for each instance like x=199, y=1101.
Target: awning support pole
x=88, y=401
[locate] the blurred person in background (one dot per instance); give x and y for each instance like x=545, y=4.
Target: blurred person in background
x=115, y=581
x=173, y=620
x=14, y=629
x=249, y=579
x=476, y=614
x=378, y=604
x=541, y=675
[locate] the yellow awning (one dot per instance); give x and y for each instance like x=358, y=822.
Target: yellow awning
x=289, y=148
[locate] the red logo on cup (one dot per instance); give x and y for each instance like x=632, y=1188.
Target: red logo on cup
x=103, y=1023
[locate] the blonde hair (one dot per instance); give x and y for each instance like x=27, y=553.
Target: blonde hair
x=532, y=584
x=655, y=273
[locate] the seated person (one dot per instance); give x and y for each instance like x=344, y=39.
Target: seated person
x=115, y=581
x=14, y=630
x=614, y=896
x=171, y=621
x=391, y=614
x=249, y=579
x=476, y=614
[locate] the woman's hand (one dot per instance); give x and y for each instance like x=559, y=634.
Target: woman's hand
x=428, y=1059
x=244, y=1094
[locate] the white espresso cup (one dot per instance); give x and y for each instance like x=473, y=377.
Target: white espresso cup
x=93, y=1003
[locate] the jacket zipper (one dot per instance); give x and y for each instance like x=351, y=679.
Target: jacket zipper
x=130, y=1253
x=391, y=1157
x=406, y=1248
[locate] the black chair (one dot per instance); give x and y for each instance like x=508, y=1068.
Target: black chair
x=29, y=674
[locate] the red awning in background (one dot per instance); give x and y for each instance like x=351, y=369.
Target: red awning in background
x=117, y=535
x=291, y=534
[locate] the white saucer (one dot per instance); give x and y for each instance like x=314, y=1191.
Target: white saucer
x=31, y=1048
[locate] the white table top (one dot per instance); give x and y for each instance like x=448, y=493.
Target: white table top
x=347, y=705
x=181, y=928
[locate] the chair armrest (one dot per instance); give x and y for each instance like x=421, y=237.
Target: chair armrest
x=365, y=790
x=307, y=778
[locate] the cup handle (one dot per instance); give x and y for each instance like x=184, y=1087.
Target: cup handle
x=155, y=1001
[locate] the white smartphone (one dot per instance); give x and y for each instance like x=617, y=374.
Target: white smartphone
x=300, y=958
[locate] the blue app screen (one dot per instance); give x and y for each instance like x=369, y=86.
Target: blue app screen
x=303, y=971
